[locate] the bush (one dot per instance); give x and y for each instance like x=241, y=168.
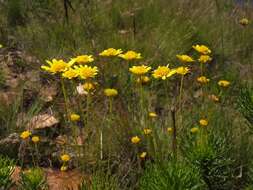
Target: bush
x=6, y=170
x=171, y=176
x=33, y=179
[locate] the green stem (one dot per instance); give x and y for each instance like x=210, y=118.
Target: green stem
x=65, y=97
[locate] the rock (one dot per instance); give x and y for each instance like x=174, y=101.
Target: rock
x=10, y=145
x=42, y=121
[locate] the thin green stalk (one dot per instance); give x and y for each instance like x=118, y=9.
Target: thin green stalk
x=65, y=97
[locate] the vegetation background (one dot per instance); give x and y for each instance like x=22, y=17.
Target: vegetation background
x=32, y=31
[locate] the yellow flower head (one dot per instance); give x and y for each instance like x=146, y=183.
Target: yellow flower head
x=163, y=72
x=204, y=58
x=110, y=92
x=185, y=58
x=203, y=122
x=143, y=155
x=35, y=139
x=169, y=129
x=74, y=117
x=244, y=21
x=223, y=83
x=152, y=114
x=86, y=72
x=147, y=131
x=55, y=66
x=139, y=70
x=202, y=49
x=110, y=52
x=130, y=55
x=1, y=45
x=182, y=70
x=70, y=74
x=83, y=59
x=64, y=168
x=203, y=80
x=135, y=140
x=65, y=157
x=143, y=80
x=214, y=98
x=25, y=134
x=194, y=130
x=88, y=86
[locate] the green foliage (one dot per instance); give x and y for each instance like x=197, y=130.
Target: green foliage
x=213, y=162
x=33, y=179
x=6, y=169
x=101, y=181
x=15, y=13
x=245, y=104
x=171, y=176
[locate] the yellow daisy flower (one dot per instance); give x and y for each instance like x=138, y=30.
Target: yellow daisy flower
x=135, y=140
x=182, y=70
x=85, y=72
x=35, y=139
x=170, y=129
x=152, y=114
x=203, y=122
x=147, y=131
x=163, y=72
x=223, y=83
x=143, y=155
x=55, y=66
x=110, y=92
x=244, y=21
x=185, y=58
x=130, y=55
x=65, y=157
x=203, y=80
x=74, y=117
x=70, y=74
x=25, y=134
x=83, y=59
x=202, y=49
x=110, y=52
x=139, y=70
x=204, y=58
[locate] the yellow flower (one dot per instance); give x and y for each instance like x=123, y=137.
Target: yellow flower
x=55, y=66
x=223, y=83
x=135, y=140
x=143, y=80
x=143, y=155
x=65, y=157
x=139, y=70
x=130, y=55
x=169, y=129
x=35, y=139
x=64, y=168
x=147, y=131
x=202, y=49
x=182, y=70
x=203, y=122
x=1, y=45
x=85, y=72
x=214, y=98
x=110, y=52
x=203, y=80
x=110, y=92
x=152, y=114
x=244, y=21
x=82, y=59
x=25, y=134
x=185, y=58
x=163, y=72
x=194, y=130
x=204, y=58
x=88, y=86
x=70, y=73
x=74, y=117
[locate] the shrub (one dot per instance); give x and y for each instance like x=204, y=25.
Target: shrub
x=33, y=179
x=171, y=176
x=6, y=170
